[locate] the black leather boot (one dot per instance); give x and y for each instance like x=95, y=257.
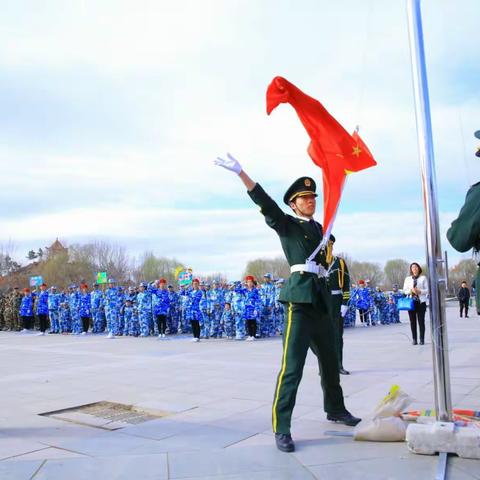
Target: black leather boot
x=284, y=442
x=345, y=418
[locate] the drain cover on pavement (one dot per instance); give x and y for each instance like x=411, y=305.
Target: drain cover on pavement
x=106, y=415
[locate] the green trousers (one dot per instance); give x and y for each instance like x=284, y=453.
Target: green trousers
x=337, y=318
x=307, y=326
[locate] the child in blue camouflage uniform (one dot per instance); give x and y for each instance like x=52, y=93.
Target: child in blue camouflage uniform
x=350, y=316
x=64, y=313
x=172, y=320
x=363, y=302
x=161, y=304
x=216, y=308
x=26, y=310
x=253, y=306
x=204, y=306
x=267, y=294
x=97, y=307
x=195, y=315
x=85, y=308
x=41, y=305
x=74, y=307
x=144, y=307
x=238, y=307
x=112, y=309
x=227, y=321
x=279, y=309
x=131, y=318
x=53, y=310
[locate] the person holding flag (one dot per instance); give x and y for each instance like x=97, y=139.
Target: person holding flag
x=306, y=293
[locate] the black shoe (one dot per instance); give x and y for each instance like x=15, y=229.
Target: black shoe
x=414, y=342
x=466, y=316
x=422, y=342
x=345, y=418
x=284, y=442
x=342, y=371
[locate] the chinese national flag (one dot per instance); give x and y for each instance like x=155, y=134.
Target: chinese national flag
x=331, y=147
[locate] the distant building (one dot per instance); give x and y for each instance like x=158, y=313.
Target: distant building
x=55, y=248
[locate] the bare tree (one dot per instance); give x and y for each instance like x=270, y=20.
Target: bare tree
x=7, y=264
x=366, y=271
x=465, y=270
x=278, y=267
x=395, y=272
x=152, y=268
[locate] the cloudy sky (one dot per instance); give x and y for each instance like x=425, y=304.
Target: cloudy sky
x=113, y=111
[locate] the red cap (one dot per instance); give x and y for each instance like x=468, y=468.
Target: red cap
x=196, y=280
x=361, y=282
x=84, y=285
x=249, y=277
x=26, y=289
x=43, y=285
x=162, y=280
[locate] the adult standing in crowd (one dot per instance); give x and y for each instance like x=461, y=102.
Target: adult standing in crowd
x=416, y=287
x=463, y=296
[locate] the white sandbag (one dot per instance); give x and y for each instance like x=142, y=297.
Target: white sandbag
x=385, y=425
x=384, y=429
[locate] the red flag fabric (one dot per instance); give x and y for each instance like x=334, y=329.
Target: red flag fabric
x=332, y=148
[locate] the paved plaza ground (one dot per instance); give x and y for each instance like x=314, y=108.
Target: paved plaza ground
x=216, y=396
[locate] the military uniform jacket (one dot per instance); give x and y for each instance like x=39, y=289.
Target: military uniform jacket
x=299, y=238
x=339, y=278
x=464, y=232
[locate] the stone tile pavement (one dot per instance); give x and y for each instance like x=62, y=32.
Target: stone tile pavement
x=218, y=397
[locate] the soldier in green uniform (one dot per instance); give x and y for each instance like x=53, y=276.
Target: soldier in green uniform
x=307, y=299
x=464, y=233
x=339, y=283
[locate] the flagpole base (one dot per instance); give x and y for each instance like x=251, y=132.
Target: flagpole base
x=444, y=437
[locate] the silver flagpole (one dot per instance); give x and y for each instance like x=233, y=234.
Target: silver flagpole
x=435, y=262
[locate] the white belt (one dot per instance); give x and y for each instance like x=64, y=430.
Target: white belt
x=310, y=267
x=336, y=292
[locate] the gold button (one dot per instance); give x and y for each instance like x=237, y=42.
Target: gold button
x=301, y=273
x=306, y=236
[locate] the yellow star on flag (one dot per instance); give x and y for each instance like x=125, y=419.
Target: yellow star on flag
x=357, y=151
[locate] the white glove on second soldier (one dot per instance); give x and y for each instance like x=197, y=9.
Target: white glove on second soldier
x=343, y=310
x=230, y=164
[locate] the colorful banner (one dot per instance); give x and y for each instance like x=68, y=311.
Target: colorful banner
x=36, y=281
x=185, y=277
x=101, y=277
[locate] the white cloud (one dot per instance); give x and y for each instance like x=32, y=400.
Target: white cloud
x=185, y=81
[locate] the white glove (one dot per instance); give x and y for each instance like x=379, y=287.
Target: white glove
x=230, y=164
x=343, y=310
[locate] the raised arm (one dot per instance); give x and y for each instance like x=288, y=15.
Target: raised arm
x=233, y=165
x=274, y=216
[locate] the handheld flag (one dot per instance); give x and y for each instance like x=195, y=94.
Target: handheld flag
x=331, y=147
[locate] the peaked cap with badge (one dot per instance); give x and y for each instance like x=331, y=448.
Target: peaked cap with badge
x=299, y=188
